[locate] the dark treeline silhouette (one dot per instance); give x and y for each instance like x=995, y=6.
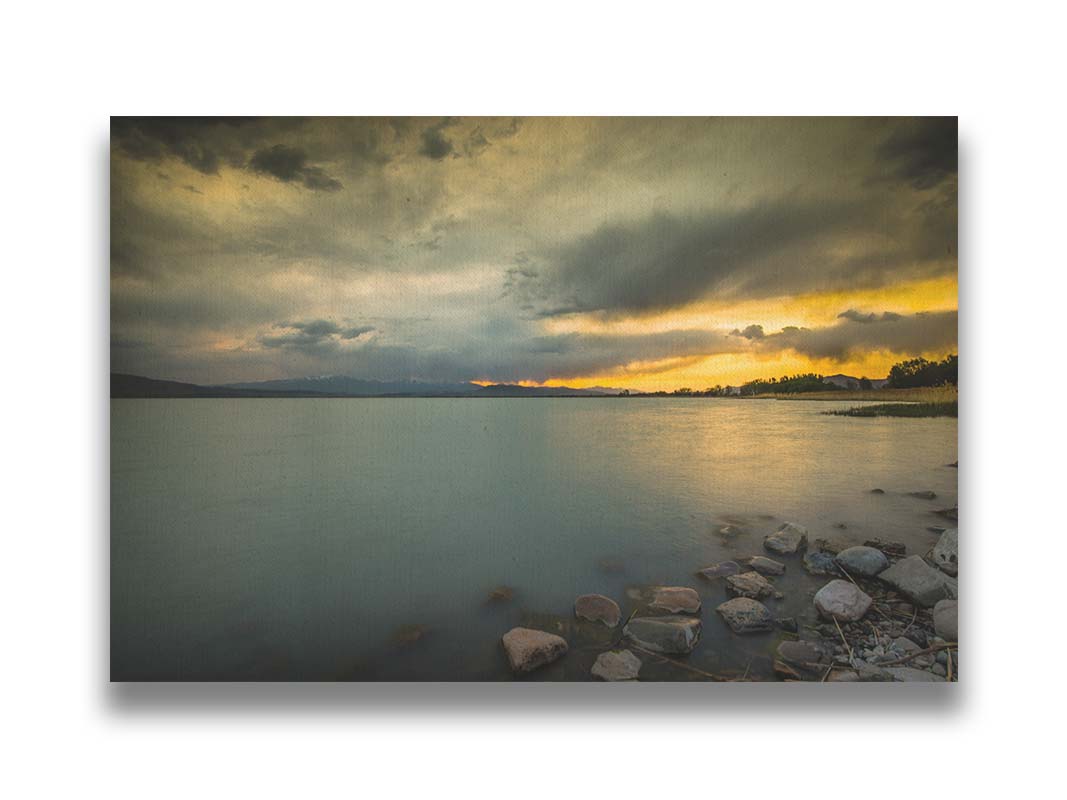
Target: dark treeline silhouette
x=920, y=372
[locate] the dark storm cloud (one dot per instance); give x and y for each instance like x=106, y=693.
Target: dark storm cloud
x=435, y=144
x=290, y=164
x=189, y=139
x=934, y=331
x=665, y=261
x=312, y=334
x=857, y=316
x=923, y=151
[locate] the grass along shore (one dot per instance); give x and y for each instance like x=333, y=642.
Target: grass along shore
x=926, y=394
x=940, y=401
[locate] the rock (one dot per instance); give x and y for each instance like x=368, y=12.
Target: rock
x=765, y=566
x=788, y=624
x=528, y=649
x=843, y=676
x=721, y=570
x=842, y=600
x=501, y=594
x=745, y=615
x=751, y=584
x=664, y=634
x=924, y=495
x=729, y=531
x=676, y=599
x=949, y=513
x=786, y=672
x=904, y=646
x=920, y=582
x=946, y=620
x=819, y=562
x=409, y=634
x=805, y=655
x=946, y=552
x=862, y=560
x=912, y=675
x=597, y=608
x=616, y=665
x=938, y=670
x=893, y=549
x=787, y=539
x=871, y=674
x=877, y=491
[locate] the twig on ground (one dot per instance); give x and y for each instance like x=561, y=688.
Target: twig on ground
x=851, y=657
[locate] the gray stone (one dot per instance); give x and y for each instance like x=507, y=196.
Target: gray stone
x=924, y=495
x=787, y=539
x=751, y=584
x=842, y=600
x=818, y=562
x=723, y=569
x=946, y=552
x=939, y=670
x=528, y=649
x=806, y=655
x=920, y=582
x=765, y=566
x=597, y=608
x=946, y=620
x=912, y=675
x=745, y=615
x=664, y=634
x=862, y=560
x=617, y=665
x=676, y=599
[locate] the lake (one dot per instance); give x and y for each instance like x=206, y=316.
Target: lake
x=315, y=539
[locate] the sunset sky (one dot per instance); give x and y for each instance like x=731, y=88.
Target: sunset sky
x=640, y=253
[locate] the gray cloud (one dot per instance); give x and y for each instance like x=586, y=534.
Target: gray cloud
x=289, y=164
x=435, y=144
x=857, y=316
x=313, y=334
x=923, y=151
x=913, y=334
x=751, y=332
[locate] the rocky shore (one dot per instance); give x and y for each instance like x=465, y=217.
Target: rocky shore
x=881, y=615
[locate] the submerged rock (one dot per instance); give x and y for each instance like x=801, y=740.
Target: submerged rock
x=597, y=608
x=924, y=495
x=501, y=594
x=751, y=584
x=946, y=552
x=676, y=599
x=765, y=566
x=946, y=620
x=819, y=562
x=787, y=539
x=664, y=634
x=721, y=570
x=949, y=513
x=617, y=665
x=803, y=655
x=862, y=560
x=842, y=600
x=877, y=491
x=409, y=634
x=920, y=582
x=528, y=649
x=745, y=615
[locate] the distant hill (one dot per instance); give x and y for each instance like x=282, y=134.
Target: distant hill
x=355, y=387
x=135, y=386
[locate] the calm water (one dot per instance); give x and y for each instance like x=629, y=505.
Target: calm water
x=292, y=539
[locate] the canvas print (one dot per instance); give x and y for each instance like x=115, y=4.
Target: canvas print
x=534, y=399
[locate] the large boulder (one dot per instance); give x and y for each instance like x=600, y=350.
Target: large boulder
x=617, y=665
x=787, y=539
x=920, y=582
x=745, y=615
x=862, y=560
x=946, y=620
x=723, y=569
x=528, y=649
x=751, y=584
x=676, y=599
x=764, y=565
x=597, y=608
x=672, y=634
x=946, y=552
x=842, y=600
